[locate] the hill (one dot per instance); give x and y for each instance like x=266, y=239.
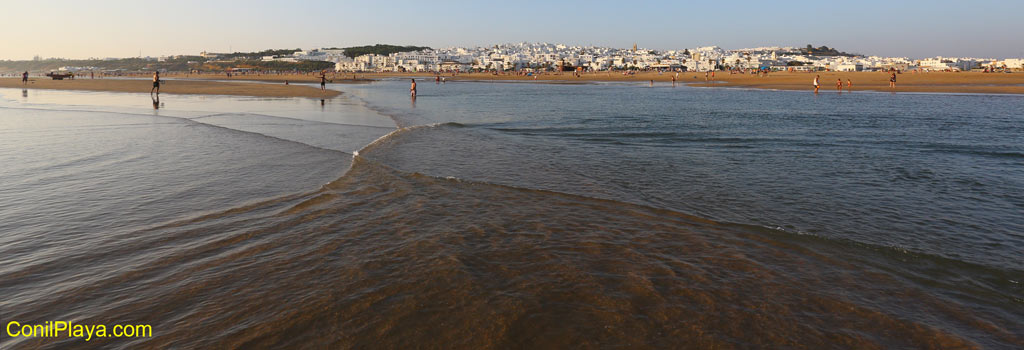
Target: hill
x=379, y=49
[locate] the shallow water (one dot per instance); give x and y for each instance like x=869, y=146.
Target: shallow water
x=516, y=216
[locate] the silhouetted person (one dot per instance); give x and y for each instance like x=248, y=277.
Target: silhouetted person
x=156, y=83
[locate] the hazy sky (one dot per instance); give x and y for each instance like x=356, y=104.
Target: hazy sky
x=115, y=28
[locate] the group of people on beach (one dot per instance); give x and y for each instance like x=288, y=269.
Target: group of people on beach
x=839, y=84
x=849, y=83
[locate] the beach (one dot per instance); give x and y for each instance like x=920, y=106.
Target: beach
x=967, y=82
x=176, y=86
x=948, y=82
x=220, y=84
x=944, y=82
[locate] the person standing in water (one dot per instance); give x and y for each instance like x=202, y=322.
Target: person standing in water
x=839, y=84
x=412, y=88
x=156, y=83
x=892, y=80
x=816, y=83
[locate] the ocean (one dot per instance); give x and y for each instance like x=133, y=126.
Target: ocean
x=516, y=215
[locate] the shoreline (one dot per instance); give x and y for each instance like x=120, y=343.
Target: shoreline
x=939, y=82
x=218, y=84
x=174, y=86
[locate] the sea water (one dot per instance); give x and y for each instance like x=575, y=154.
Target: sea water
x=515, y=215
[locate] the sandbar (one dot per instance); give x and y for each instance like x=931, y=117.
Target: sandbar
x=174, y=86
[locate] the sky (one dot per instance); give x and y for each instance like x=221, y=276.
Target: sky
x=116, y=28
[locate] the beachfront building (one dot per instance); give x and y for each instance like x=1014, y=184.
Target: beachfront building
x=944, y=64
x=849, y=67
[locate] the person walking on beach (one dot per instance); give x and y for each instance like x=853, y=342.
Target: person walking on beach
x=816, y=83
x=412, y=88
x=156, y=83
x=849, y=84
x=892, y=80
x=24, y=78
x=323, y=83
x=839, y=84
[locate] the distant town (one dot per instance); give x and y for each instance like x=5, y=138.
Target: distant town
x=532, y=57
x=543, y=56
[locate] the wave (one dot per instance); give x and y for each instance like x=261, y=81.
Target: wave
x=391, y=135
x=977, y=152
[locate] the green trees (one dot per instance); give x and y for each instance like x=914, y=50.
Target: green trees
x=379, y=49
x=823, y=51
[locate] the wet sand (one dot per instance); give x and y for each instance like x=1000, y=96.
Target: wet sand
x=195, y=87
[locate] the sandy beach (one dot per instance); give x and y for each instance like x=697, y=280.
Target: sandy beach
x=948, y=82
x=964, y=82
x=194, y=87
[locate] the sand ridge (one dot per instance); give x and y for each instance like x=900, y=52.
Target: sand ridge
x=173, y=86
